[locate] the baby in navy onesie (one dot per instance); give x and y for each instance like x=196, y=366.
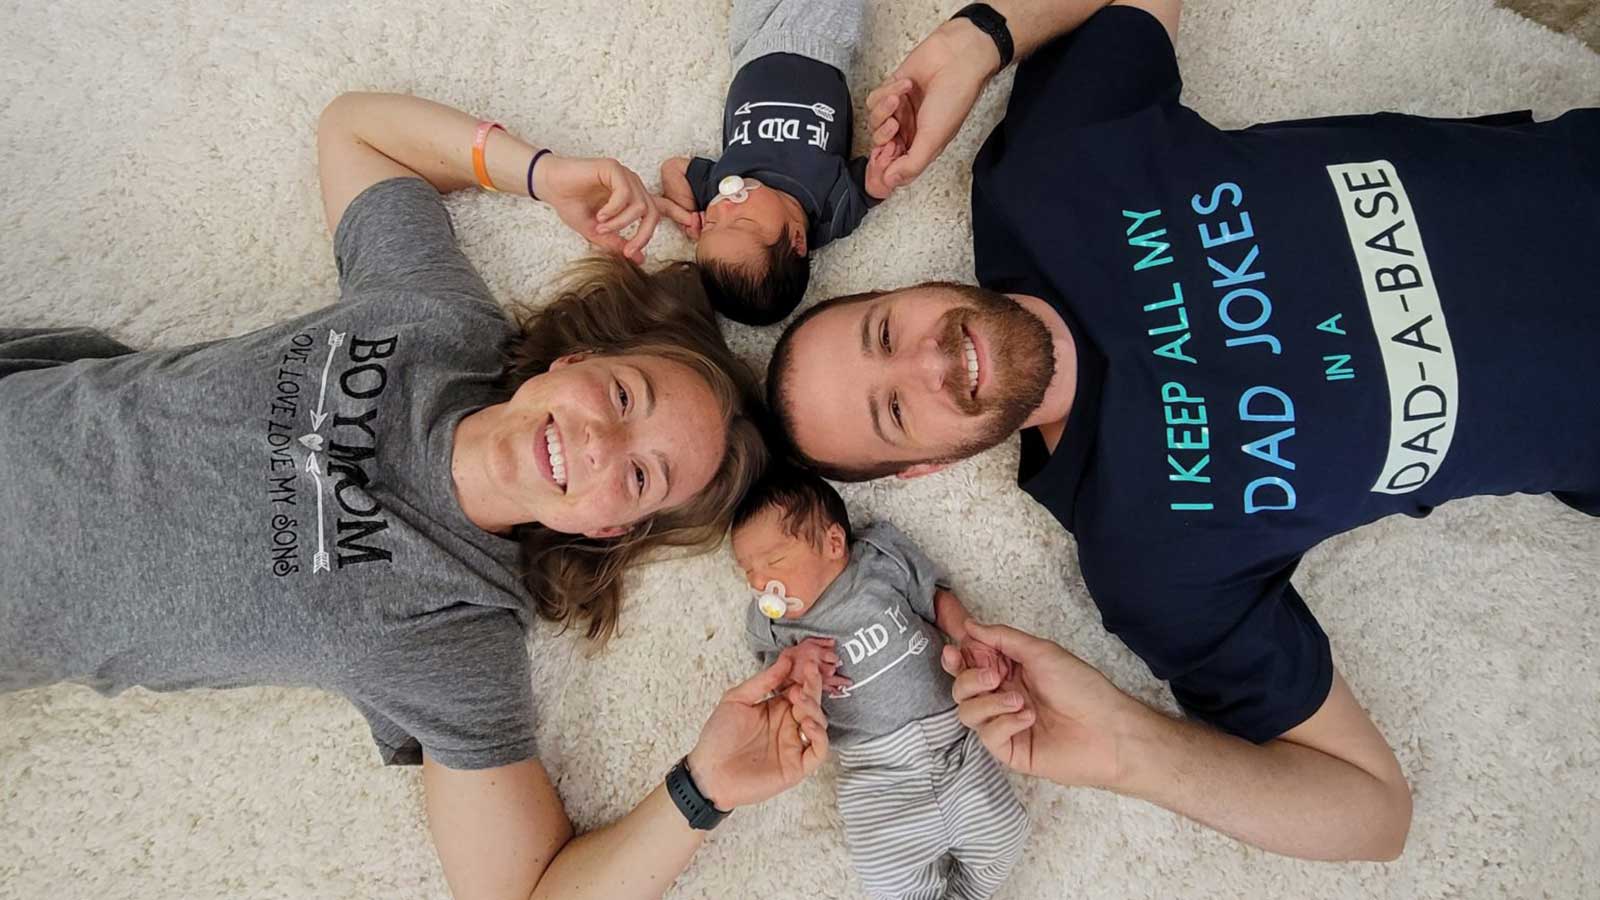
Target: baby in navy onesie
x=927, y=810
x=785, y=184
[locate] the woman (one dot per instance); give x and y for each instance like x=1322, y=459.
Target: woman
x=375, y=497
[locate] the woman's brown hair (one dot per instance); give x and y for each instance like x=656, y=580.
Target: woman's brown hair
x=606, y=306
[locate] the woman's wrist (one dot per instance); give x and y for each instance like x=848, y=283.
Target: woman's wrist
x=707, y=779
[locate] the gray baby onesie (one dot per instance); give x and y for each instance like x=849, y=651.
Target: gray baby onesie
x=927, y=810
x=277, y=507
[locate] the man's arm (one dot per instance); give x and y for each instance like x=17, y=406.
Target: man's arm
x=924, y=101
x=1328, y=789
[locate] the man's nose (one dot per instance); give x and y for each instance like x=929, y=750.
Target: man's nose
x=931, y=366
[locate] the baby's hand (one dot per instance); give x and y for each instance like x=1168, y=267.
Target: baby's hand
x=816, y=654
x=975, y=654
x=677, y=197
x=878, y=164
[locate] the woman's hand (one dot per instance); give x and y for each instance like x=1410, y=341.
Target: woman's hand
x=1055, y=716
x=599, y=199
x=756, y=745
x=925, y=100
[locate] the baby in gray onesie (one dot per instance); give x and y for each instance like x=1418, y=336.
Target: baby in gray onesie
x=928, y=812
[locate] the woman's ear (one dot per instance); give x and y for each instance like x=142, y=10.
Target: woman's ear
x=562, y=362
x=608, y=532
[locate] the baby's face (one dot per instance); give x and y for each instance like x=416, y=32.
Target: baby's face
x=765, y=552
x=740, y=233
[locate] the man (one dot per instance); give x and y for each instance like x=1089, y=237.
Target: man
x=1221, y=348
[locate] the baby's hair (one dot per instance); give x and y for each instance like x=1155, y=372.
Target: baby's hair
x=760, y=297
x=808, y=504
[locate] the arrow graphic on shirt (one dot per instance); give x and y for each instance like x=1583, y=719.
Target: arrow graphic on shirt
x=319, y=562
x=335, y=339
x=919, y=643
x=822, y=110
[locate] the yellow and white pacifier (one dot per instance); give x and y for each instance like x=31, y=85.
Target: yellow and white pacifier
x=773, y=602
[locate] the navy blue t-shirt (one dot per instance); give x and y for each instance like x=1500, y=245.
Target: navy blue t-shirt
x=787, y=124
x=1285, y=332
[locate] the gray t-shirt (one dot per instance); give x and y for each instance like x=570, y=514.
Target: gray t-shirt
x=277, y=508
x=880, y=612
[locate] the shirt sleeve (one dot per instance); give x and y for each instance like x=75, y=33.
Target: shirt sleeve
x=922, y=576
x=459, y=692
x=1115, y=64
x=397, y=236
x=1246, y=655
x=848, y=203
x=699, y=177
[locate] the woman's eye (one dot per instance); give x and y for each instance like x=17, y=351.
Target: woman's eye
x=622, y=396
x=894, y=411
x=883, y=335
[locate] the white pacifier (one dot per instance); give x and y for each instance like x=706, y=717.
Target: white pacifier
x=773, y=602
x=735, y=189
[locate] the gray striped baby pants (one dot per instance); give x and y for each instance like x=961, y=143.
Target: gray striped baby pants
x=928, y=813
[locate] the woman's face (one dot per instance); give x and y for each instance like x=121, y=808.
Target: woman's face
x=599, y=443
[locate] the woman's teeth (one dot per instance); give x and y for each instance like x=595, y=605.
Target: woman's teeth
x=558, y=462
x=972, y=362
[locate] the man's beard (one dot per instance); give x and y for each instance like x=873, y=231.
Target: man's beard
x=1021, y=363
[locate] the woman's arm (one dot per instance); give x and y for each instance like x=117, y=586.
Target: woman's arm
x=502, y=834
x=363, y=139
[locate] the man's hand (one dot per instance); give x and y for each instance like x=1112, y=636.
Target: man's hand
x=1054, y=716
x=756, y=745
x=924, y=102
x=599, y=199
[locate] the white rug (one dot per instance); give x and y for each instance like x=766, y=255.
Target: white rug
x=159, y=181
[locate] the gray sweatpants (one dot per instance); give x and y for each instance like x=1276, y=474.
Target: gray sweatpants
x=827, y=31
x=926, y=792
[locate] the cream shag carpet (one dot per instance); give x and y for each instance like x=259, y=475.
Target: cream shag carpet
x=160, y=183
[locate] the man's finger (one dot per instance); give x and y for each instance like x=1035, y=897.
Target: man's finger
x=996, y=734
x=759, y=686
x=976, y=711
x=1018, y=645
x=972, y=682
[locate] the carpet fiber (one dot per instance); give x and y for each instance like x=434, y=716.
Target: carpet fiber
x=160, y=183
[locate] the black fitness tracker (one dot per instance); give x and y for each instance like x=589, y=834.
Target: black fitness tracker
x=992, y=23
x=701, y=813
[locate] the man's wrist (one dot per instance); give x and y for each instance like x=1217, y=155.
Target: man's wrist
x=971, y=45
x=1139, y=736
x=993, y=24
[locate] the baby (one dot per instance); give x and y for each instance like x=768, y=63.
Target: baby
x=785, y=184
x=927, y=811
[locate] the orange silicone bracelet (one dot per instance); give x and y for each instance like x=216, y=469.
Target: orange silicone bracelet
x=479, y=170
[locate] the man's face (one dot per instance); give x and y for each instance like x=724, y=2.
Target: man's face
x=925, y=374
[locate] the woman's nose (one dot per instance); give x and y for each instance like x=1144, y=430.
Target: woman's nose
x=603, y=444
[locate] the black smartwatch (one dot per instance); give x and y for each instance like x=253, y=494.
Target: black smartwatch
x=992, y=23
x=696, y=807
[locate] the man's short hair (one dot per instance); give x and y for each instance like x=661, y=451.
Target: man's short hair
x=778, y=396
x=808, y=505
x=763, y=298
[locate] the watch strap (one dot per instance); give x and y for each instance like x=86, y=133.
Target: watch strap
x=990, y=22
x=698, y=809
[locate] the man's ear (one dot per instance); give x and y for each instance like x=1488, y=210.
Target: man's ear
x=608, y=532
x=920, y=469
x=562, y=362
x=834, y=544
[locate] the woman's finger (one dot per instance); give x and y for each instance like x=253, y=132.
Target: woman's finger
x=632, y=212
x=621, y=195
x=817, y=747
x=760, y=685
x=641, y=238
x=972, y=682
x=975, y=711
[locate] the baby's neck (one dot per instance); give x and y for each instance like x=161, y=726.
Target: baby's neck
x=838, y=569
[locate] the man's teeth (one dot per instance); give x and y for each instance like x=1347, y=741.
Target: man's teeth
x=972, y=361
x=558, y=462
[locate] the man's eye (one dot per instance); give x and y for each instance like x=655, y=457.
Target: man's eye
x=638, y=480
x=894, y=411
x=883, y=335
